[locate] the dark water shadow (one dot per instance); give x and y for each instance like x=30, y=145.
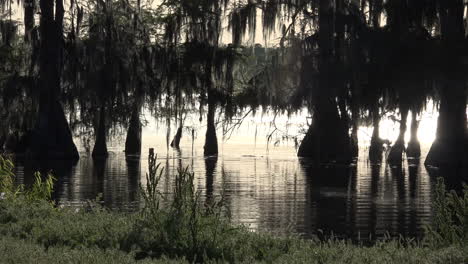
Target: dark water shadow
x=179, y=157
x=454, y=176
x=327, y=186
x=119, y=178
x=210, y=171
x=61, y=170
x=397, y=225
x=367, y=202
x=414, y=175
x=134, y=176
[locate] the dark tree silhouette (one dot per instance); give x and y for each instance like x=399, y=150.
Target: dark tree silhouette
x=336, y=58
x=51, y=137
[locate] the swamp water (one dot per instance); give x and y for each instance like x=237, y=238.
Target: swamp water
x=266, y=187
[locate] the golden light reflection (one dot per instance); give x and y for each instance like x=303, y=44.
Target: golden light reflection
x=389, y=128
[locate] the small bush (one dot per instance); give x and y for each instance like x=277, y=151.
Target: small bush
x=450, y=220
x=6, y=177
x=41, y=189
x=184, y=227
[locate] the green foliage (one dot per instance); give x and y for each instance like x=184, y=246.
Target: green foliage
x=150, y=193
x=185, y=227
x=450, y=221
x=6, y=176
x=41, y=189
x=14, y=250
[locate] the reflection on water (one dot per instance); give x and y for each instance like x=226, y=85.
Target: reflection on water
x=115, y=181
x=210, y=169
x=271, y=191
x=268, y=189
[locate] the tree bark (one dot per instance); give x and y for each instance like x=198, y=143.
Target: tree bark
x=178, y=136
x=176, y=140
x=28, y=19
x=100, y=146
x=354, y=142
x=105, y=92
x=133, y=140
x=51, y=137
x=326, y=137
x=396, y=152
x=211, y=141
x=414, y=147
x=451, y=144
x=376, y=148
x=328, y=133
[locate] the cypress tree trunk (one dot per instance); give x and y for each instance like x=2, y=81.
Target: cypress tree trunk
x=211, y=141
x=133, y=140
x=178, y=136
x=28, y=19
x=176, y=140
x=346, y=121
x=451, y=144
x=356, y=89
x=328, y=134
x=326, y=137
x=51, y=137
x=414, y=147
x=106, y=90
x=396, y=152
x=376, y=148
x=100, y=145
x=340, y=31
x=354, y=142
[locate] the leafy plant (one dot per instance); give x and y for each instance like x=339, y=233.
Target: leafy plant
x=6, y=173
x=450, y=221
x=7, y=186
x=42, y=189
x=150, y=193
x=184, y=225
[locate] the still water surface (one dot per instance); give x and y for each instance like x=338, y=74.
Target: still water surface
x=266, y=188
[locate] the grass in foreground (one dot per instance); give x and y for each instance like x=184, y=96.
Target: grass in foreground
x=186, y=230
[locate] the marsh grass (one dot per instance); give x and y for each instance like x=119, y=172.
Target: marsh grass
x=181, y=228
x=41, y=189
x=450, y=220
x=6, y=176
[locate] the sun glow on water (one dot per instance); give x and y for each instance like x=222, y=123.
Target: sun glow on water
x=255, y=129
x=389, y=129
